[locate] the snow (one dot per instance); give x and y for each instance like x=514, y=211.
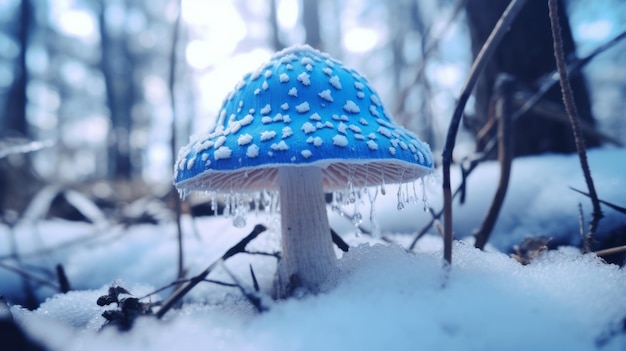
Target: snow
x=334, y=81
x=244, y=139
x=268, y=135
x=382, y=297
x=283, y=78
x=223, y=152
x=303, y=107
x=304, y=78
x=340, y=140
x=351, y=107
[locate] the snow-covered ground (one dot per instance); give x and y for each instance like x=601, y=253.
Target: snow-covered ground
x=382, y=297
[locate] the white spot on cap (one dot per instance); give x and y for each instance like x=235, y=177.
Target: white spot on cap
x=328, y=124
x=293, y=91
x=304, y=78
x=384, y=131
x=293, y=158
x=220, y=141
x=306, y=61
x=253, y=151
x=283, y=78
x=351, y=107
x=289, y=66
x=308, y=68
x=372, y=136
x=306, y=153
x=336, y=117
x=279, y=117
x=207, y=163
x=190, y=162
x=392, y=150
x=327, y=71
x=334, y=81
x=286, y=119
x=325, y=94
x=205, y=145
x=205, y=157
x=330, y=63
x=360, y=94
x=340, y=140
x=354, y=128
x=373, y=111
x=308, y=128
x=371, y=144
x=344, y=118
x=268, y=74
x=267, y=135
x=359, y=137
x=342, y=127
x=257, y=91
x=358, y=85
x=403, y=145
x=264, y=86
x=281, y=146
x=244, y=139
x=266, y=109
x=222, y=153
x=266, y=120
x=285, y=106
x=247, y=119
x=363, y=121
x=375, y=100
x=303, y=107
x=315, y=117
x=287, y=132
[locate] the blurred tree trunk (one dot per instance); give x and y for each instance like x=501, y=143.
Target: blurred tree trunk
x=277, y=43
x=311, y=22
x=116, y=66
x=14, y=116
x=525, y=53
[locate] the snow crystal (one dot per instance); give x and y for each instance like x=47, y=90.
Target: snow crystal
x=342, y=127
x=191, y=161
x=289, y=67
x=205, y=145
x=403, y=145
x=328, y=124
x=306, y=61
x=344, y=118
x=325, y=94
x=360, y=94
x=265, y=86
x=371, y=144
x=327, y=71
x=293, y=91
x=257, y=91
x=315, y=117
x=286, y=118
x=340, y=140
x=317, y=141
x=336, y=117
x=392, y=150
x=281, y=146
x=308, y=68
x=358, y=85
x=306, y=153
x=222, y=152
x=279, y=117
x=303, y=107
x=268, y=74
x=283, y=78
x=363, y=121
x=287, y=132
x=395, y=142
x=359, y=137
x=373, y=111
x=285, y=106
x=308, y=128
x=253, y=151
x=304, y=78
x=372, y=136
x=205, y=157
x=351, y=107
x=330, y=63
x=244, y=139
x=266, y=109
x=266, y=120
x=267, y=135
x=251, y=111
x=334, y=81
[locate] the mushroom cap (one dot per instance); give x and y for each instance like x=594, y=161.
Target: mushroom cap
x=302, y=108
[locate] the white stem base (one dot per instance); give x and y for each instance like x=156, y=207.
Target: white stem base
x=308, y=257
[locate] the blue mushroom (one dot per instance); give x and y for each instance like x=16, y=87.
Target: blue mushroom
x=301, y=124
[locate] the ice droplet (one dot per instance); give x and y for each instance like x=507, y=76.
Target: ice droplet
x=239, y=221
x=400, y=202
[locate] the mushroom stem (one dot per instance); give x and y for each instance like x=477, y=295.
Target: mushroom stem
x=307, y=252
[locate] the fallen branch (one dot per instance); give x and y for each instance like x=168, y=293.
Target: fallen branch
x=191, y=283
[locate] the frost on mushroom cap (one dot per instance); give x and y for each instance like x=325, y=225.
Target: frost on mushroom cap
x=302, y=108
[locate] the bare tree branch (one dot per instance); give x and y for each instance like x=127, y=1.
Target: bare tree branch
x=570, y=107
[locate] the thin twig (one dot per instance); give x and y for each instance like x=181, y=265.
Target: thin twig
x=29, y=276
x=191, y=283
x=611, y=251
x=172, y=91
x=611, y=205
x=570, y=107
x=504, y=91
x=482, y=58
